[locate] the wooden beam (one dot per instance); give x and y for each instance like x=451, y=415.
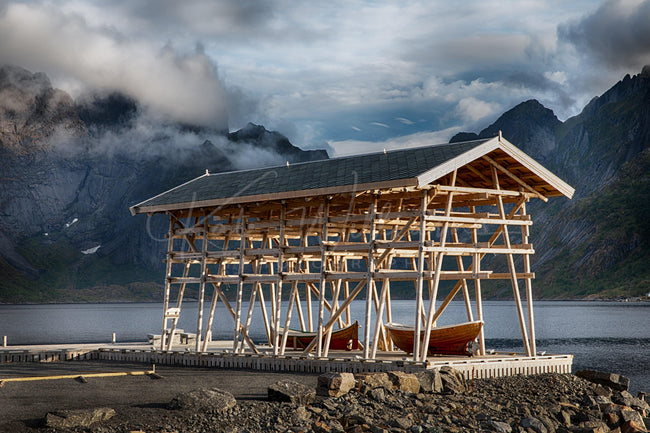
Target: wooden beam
x=332, y=320
x=420, y=271
x=457, y=286
x=204, y=272
x=511, y=266
x=436, y=278
x=240, y=283
x=529, y=291
x=323, y=269
x=515, y=178
x=370, y=285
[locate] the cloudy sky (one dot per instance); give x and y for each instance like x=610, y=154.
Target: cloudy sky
x=349, y=75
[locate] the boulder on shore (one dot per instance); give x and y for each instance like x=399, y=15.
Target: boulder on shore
x=406, y=382
x=611, y=380
x=368, y=381
x=78, y=417
x=453, y=381
x=430, y=380
x=204, y=399
x=292, y=392
x=335, y=384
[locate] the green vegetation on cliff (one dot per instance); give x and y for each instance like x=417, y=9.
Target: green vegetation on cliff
x=613, y=259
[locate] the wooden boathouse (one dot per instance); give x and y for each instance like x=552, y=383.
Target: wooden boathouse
x=318, y=235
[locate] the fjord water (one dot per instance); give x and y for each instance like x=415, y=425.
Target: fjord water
x=608, y=336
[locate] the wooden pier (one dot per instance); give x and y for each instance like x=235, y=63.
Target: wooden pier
x=482, y=366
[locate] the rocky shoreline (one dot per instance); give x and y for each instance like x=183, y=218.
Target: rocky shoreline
x=432, y=401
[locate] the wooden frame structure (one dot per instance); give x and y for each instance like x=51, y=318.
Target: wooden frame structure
x=347, y=228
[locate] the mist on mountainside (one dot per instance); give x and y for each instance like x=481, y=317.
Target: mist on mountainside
x=70, y=169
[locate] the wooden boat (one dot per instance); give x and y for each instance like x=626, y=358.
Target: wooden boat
x=444, y=340
x=342, y=339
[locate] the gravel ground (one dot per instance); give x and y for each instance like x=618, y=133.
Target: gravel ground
x=23, y=405
x=545, y=403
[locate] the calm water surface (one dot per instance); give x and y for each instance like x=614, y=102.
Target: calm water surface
x=608, y=336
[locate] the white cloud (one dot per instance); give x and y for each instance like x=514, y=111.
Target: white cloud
x=559, y=77
x=312, y=68
x=473, y=110
x=405, y=121
x=180, y=86
x=354, y=147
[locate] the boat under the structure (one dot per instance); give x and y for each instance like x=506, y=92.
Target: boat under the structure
x=346, y=338
x=443, y=340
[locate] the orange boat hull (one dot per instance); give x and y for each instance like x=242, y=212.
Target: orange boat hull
x=444, y=340
x=342, y=339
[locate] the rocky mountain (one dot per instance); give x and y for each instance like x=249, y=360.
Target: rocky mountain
x=70, y=169
x=598, y=244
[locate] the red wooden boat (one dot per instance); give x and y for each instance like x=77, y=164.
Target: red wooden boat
x=342, y=339
x=443, y=340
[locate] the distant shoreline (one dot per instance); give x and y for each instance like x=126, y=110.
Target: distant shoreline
x=636, y=300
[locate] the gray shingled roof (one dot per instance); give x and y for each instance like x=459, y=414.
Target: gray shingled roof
x=336, y=172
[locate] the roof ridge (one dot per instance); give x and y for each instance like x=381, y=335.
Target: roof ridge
x=398, y=168
x=342, y=158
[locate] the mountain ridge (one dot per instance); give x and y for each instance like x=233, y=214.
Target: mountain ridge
x=602, y=152
x=70, y=169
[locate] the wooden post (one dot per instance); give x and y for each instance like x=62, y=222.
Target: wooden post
x=278, y=302
x=249, y=314
x=346, y=284
x=529, y=288
x=204, y=274
x=338, y=313
x=208, y=329
x=420, y=281
x=476, y=267
x=323, y=270
x=267, y=326
x=274, y=299
x=461, y=268
x=168, y=279
x=301, y=316
x=310, y=312
x=378, y=321
x=287, y=322
x=437, y=271
x=240, y=283
x=457, y=286
x=257, y=265
x=334, y=289
x=238, y=324
x=220, y=269
x=395, y=234
x=370, y=285
x=511, y=266
x=179, y=302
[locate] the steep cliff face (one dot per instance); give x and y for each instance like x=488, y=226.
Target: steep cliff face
x=69, y=170
x=596, y=244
